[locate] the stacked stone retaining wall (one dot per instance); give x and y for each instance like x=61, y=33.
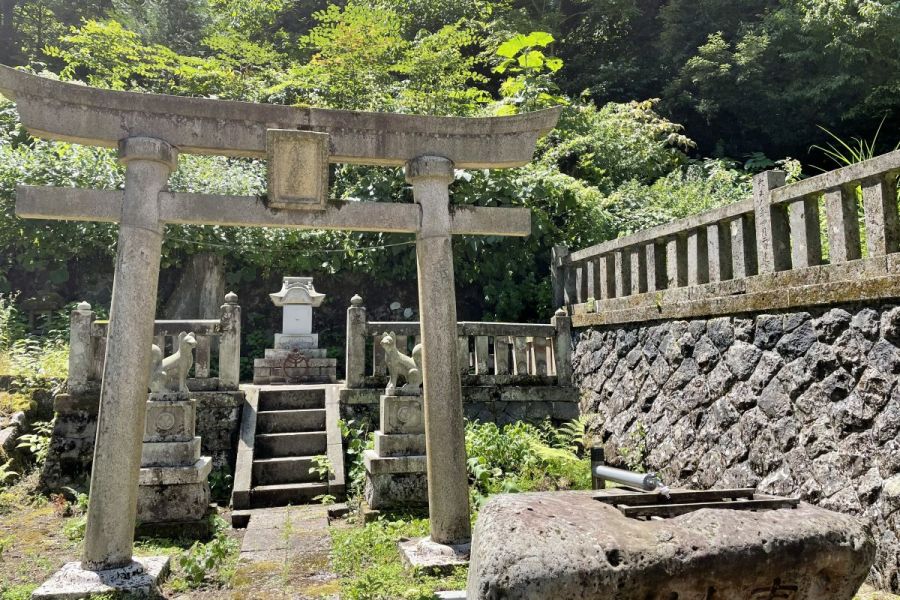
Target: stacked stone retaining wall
x=795, y=403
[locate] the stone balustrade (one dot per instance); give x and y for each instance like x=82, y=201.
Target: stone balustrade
x=765, y=252
x=88, y=347
x=489, y=353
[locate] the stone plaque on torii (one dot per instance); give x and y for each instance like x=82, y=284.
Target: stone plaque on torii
x=149, y=131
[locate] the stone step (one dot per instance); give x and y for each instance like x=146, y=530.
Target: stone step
x=285, y=469
x=284, y=494
x=291, y=399
x=273, y=445
x=283, y=421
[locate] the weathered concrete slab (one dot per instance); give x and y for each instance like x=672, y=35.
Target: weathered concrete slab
x=566, y=545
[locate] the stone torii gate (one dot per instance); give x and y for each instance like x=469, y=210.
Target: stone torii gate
x=149, y=131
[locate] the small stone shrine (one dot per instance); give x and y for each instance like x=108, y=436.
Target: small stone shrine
x=396, y=469
x=173, y=490
x=296, y=357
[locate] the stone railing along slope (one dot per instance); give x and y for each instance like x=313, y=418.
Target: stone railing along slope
x=763, y=253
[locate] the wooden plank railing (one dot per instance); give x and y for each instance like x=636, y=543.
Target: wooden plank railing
x=489, y=353
x=776, y=230
x=87, y=342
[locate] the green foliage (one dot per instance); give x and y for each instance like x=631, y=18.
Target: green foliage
x=221, y=483
x=696, y=187
x=20, y=591
x=356, y=440
x=75, y=526
x=520, y=457
x=368, y=561
x=844, y=153
x=37, y=443
x=357, y=58
x=321, y=467
x=8, y=475
x=529, y=85
x=203, y=561
x=635, y=451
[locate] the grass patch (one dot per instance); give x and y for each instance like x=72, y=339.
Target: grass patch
x=196, y=565
x=17, y=592
x=13, y=402
x=368, y=561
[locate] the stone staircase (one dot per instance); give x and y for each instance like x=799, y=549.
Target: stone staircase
x=283, y=428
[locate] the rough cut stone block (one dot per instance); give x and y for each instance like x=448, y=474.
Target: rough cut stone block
x=196, y=473
x=588, y=549
x=170, y=420
x=162, y=454
x=305, y=341
x=380, y=465
x=402, y=414
x=172, y=503
x=399, y=444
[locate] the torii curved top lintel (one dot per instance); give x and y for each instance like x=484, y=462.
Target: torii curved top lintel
x=98, y=117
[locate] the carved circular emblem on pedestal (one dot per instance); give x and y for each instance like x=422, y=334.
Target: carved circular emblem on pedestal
x=165, y=421
x=295, y=365
x=405, y=414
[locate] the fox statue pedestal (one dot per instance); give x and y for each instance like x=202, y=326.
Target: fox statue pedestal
x=173, y=492
x=173, y=488
x=396, y=470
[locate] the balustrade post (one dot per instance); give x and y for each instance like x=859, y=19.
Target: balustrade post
x=880, y=209
x=230, y=342
x=697, y=258
x=773, y=236
x=743, y=247
x=622, y=273
x=806, y=249
x=559, y=276
x=81, y=348
x=356, y=343
x=638, y=270
x=563, y=350
x=652, y=263
x=841, y=211
x=676, y=262
x=718, y=251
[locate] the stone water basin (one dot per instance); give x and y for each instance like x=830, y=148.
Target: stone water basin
x=567, y=545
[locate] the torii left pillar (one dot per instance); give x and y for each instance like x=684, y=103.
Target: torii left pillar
x=109, y=538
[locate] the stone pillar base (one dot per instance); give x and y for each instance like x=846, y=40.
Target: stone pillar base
x=140, y=579
x=395, y=482
x=432, y=558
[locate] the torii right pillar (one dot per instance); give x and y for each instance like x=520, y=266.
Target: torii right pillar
x=445, y=440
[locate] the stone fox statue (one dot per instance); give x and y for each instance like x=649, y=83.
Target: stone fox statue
x=400, y=365
x=170, y=374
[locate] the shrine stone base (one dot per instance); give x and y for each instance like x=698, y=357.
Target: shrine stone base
x=396, y=470
x=567, y=545
x=140, y=579
x=173, y=484
x=294, y=365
